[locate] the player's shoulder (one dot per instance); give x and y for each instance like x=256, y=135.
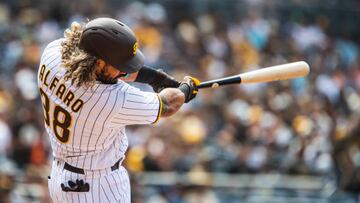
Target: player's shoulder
x=131, y=91
x=52, y=49
x=128, y=88
x=54, y=44
x=125, y=88
x=101, y=88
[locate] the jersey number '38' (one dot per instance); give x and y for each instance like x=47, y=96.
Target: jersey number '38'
x=61, y=119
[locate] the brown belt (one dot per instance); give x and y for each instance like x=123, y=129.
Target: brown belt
x=74, y=169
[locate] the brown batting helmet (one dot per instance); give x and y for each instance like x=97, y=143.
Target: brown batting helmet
x=114, y=42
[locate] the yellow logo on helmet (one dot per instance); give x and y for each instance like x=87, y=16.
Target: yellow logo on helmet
x=135, y=48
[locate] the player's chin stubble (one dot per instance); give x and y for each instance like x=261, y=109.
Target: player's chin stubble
x=105, y=78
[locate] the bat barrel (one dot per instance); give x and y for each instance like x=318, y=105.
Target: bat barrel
x=220, y=82
x=273, y=73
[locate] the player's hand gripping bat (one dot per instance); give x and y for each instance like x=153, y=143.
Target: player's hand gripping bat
x=273, y=73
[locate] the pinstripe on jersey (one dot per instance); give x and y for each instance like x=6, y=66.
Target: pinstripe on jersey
x=86, y=127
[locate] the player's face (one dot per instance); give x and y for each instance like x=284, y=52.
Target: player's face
x=107, y=74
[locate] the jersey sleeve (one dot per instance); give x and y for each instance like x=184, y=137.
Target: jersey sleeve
x=137, y=107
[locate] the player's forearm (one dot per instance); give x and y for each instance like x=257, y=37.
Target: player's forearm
x=172, y=100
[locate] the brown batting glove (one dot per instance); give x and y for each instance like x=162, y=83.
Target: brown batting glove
x=188, y=87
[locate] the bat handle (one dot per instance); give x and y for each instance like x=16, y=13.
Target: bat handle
x=220, y=82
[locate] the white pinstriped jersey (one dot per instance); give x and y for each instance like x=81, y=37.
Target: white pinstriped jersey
x=86, y=126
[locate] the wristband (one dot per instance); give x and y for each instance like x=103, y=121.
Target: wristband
x=184, y=88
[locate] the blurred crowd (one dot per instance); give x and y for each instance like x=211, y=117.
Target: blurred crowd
x=288, y=127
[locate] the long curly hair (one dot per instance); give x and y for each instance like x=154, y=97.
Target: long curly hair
x=80, y=66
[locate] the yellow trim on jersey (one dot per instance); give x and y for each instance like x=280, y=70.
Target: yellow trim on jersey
x=160, y=109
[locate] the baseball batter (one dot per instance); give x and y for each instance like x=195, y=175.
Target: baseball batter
x=86, y=107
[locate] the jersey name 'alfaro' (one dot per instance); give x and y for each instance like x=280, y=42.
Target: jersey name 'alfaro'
x=69, y=99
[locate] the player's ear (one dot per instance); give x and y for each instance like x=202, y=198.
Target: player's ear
x=100, y=64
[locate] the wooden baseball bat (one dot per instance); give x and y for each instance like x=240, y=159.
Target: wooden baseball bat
x=269, y=74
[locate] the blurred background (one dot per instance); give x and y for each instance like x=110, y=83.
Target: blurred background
x=289, y=141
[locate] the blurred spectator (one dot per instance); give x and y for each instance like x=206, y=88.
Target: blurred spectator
x=289, y=127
